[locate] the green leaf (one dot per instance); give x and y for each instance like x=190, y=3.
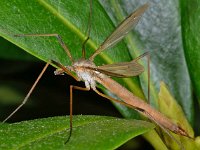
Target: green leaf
x=190, y=12
x=89, y=132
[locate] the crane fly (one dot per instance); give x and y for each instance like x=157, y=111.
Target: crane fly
x=90, y=74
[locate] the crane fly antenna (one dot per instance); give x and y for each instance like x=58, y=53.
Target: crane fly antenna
x=83, y=47
x=88, y=30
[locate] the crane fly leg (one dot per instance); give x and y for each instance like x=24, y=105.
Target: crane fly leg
x=71, y=106
x=115, y=100
x=58, y=37
x=29, y=93
x=147, y=55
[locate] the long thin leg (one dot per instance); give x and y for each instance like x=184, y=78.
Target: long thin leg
x=30, y=91
x=61, y=42
x=146, y=54
x=71, y=106
x=115, y=100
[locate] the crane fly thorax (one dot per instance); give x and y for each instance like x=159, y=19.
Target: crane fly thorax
x=81, y=68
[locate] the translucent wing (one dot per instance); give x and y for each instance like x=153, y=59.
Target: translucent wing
x=124, y=69
x=122, y=30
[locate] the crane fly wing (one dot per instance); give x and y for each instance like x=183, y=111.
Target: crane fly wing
x=121, y=70
x=122, y=30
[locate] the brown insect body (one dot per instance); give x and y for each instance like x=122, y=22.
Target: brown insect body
x=89, y=73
